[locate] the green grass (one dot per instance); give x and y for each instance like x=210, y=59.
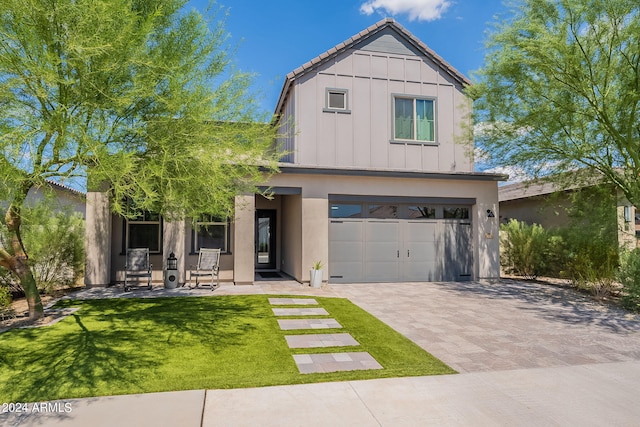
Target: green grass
x=122, y=346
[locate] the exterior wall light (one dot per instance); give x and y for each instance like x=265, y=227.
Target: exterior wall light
x=627, y=214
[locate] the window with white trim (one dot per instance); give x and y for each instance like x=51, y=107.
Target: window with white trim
x=414, y=119
x=144, y=231
x=337, y=100
x=211, y=233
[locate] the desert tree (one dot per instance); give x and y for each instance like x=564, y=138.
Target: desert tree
x=560, y=92
x=137, y=97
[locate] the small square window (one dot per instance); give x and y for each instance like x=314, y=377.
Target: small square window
x=337, y=101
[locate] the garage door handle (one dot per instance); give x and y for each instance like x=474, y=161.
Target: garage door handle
x=407, y=253
x=398, y=253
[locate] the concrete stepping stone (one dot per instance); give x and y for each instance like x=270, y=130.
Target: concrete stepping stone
x=292, y=301
x=320, y=340
x=299, y=311
x=333, y=362
x=292, y=324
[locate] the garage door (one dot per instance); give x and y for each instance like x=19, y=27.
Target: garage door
x=394, y=243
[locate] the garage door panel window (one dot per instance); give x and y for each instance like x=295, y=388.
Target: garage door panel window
x=383, y=211
x=421, y=212
x=346, y=210
x=455, y=213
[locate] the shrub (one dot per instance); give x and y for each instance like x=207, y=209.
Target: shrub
x=586, y=256
x=55, y=245
x=591, y=236
x=5, y=297
x=6, y=312
x=629, y=276
x=589, y=259
x=524, y=248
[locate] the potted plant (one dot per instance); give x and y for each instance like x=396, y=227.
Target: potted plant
x=316, y=274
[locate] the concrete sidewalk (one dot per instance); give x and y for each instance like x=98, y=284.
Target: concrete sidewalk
x=586, y=395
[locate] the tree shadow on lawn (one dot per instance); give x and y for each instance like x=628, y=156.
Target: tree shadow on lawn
x=113, y=346
x=552, y=303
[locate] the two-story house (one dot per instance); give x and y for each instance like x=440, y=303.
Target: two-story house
x=376, y=181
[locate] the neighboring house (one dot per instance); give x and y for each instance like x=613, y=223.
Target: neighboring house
x=546, y=204
x=63, y=197
x=376, y=181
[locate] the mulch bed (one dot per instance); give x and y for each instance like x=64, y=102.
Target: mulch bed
x=17, y=316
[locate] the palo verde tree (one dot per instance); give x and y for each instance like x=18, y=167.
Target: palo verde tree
x=137, y=94
x=560, y=92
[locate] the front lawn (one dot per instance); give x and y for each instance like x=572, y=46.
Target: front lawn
x=123, y=346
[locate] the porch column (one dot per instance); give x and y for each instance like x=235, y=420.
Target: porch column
x=97, y=240
x=487, y=229
x=315, y=235
x=243, y=239
x=174, y=237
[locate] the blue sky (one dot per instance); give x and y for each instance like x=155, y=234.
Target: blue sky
x=274, y=37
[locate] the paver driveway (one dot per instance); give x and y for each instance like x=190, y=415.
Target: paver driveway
x=508, y=325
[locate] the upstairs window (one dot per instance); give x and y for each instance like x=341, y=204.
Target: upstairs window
x=337, y=101
x=414, y=119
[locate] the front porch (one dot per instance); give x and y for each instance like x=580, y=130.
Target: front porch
x=279, y=236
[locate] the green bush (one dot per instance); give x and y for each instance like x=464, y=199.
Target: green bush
x=524, y=248
x=591, y=237
x=589, y=259
x=629, y=276
x=5, y=297
x=584, y=255
x=55, y=245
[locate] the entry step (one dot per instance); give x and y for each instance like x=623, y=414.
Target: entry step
x=320, y=340
x=334, y=362
x=292, y=324
x=292, y=301
x=300, y=312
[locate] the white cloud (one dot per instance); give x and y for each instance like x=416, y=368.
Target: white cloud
x=422, y=10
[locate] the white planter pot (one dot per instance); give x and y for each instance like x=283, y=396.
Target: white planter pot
x=316, y=278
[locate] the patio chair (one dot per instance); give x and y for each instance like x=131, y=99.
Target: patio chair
x=208, y=265
x=137, y=267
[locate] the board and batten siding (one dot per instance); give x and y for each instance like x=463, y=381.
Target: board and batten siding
x=362, y=137
x=287, y=130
